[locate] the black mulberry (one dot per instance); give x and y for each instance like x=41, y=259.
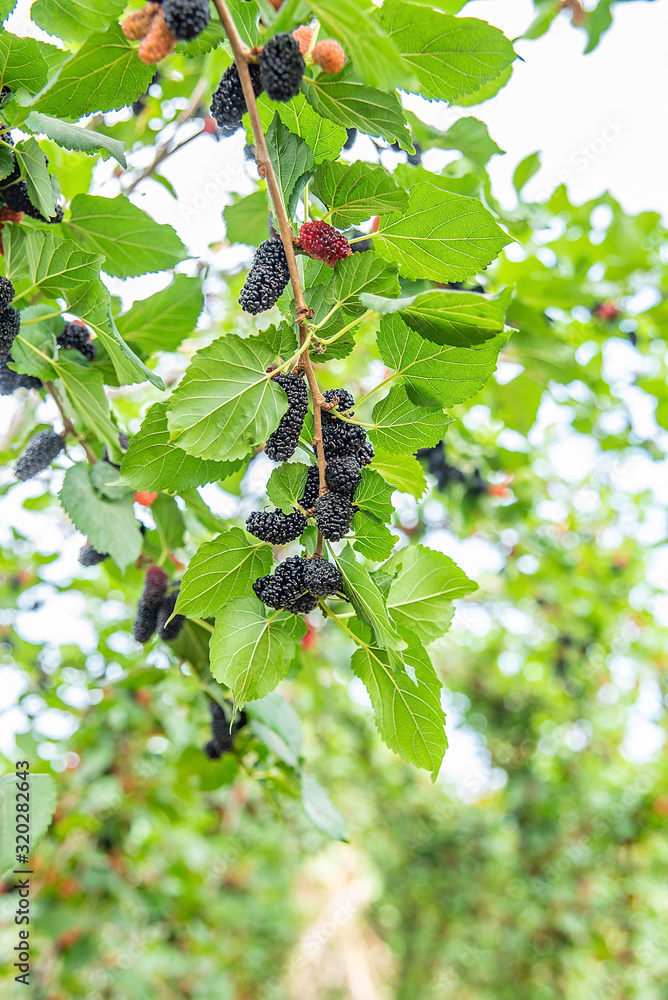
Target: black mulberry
x=322, y=578
x=222, y=734
x=168, y=630
x=283, y=442
x=155, y=587
x=312, y=488
x=6, y=293
x=186, y=18
x=16, y=197
x=10, y=381
x=275, y=526
x=76, y=336
x=228, y=104
x=10, y=324
x=39, y=454
x=281, y=67
x=346, y=401
x=266, y=279
x=333, y=514
x=303, y=604
x=340, y=439
x=366, y=454
x=88, y=556
x=285, y=585
x=343, y=475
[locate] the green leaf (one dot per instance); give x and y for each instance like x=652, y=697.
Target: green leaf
x=357, y=191
x=249, y=653
x=487, y=91
x=74, y=20
x=226, y=403
x=86, y=392
x=373, y=539
x=354, y=105
x=403, y=472
x=407, y=712
x=152, y=463
x=41, y=336
x=163, y=320
x=22, y=62
x=457, y=318
x=444, y=375
x=451, y=56
x=319, y=809
x=42, y=807
x=525, y=170
x=442, y=236
x=220, y=571
x=277, y=724
x=104, y=75
x=377, y=60
x=6, y=161
x=402, y=426
x=292, y=161
x=246, y=219
x=38, y=181
x=74, y=137
x=374, y=494
x=131, y=242
x=324, y=137
x=286, y=485
x=106, y=479
x=53, y=265
x=354, y=276
x=469, y=135
x=421, y=595
x=367, y=599
x=109, y=525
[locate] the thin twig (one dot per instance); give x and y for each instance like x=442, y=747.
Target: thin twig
x=168, y=149
x=265, y=170
x=68, y=426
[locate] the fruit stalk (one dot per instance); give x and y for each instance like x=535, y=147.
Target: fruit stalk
x=265, y=170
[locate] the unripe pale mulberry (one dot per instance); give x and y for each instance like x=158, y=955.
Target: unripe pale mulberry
x=329, y=55
x=281, y=67
x=137, y=24
x=283, y=442
x=39, y=454
x=158, y=43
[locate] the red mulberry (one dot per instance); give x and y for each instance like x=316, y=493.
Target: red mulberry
x=39, y=454
x=323, y=242
x=281, y=67
x=283, y=442
x=266, y=279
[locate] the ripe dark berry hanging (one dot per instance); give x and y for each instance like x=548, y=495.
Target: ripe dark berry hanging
x=168, y=630
x=6, y=293
x=228, y=104
x=322, y=578
x=16, y=197
x=312, y=488
x=282, y=67
x=76, y=336
x=222, y=733
x=266, y=279
x=323, y=242
x=283, y=442
x=275, y=526
x=284, y=586
x=333, y=514
x=186, y=18
x=10, y=324
x=155, y=587
x=10, y=381
x=39, y=454
x=88, y=556
x=343, y=475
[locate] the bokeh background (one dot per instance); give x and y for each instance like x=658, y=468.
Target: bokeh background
x=536, y=865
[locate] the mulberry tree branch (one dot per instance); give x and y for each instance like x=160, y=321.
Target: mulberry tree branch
x=241, y=56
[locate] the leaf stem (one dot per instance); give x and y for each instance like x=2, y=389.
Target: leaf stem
x=350, y=326
x=376, y=388
x=39, y=319
x=330, y=614
x=200, y=621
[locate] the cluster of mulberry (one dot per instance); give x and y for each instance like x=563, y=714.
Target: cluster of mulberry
x=333, y=514
x=327, y=54
x=162, y=24
x=297, y=583
x=155, y=607
x=14, y=196
x=343, y=475
x=11, y=381
x=283, y=442
x=340, y=438
x=276, y=527
x=281, y=67
x=222, y=733
x=76, y=336
x=228, y=104
x=39, y=454
x=447, y=474
x=266, y=279
x=323, y=242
